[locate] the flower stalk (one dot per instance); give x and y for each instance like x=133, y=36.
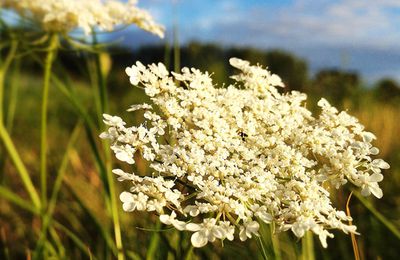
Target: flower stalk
x=50, y=56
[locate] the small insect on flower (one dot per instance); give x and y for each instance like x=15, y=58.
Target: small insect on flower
x=242, y=134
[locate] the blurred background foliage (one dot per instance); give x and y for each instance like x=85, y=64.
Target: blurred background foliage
x=84, y=229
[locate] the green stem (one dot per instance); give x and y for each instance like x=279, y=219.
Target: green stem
x=114, y=209
x=261, y=246
x=3, y=71
x=13, y=96
x=23, y=172
x=154, y=243
x=308, y=246
x=275, y=244
x=43, y=128
x=103, y=101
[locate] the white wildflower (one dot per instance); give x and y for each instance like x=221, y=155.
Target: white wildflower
x=66, y=15
x=225, y=159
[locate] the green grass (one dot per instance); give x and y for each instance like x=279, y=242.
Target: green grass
x=83, y=215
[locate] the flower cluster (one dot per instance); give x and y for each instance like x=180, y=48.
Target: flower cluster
x=223, y=160
x=66, y=15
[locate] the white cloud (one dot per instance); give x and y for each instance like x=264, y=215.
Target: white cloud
x=320, y=30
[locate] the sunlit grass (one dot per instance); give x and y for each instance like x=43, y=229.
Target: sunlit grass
x=83, y=214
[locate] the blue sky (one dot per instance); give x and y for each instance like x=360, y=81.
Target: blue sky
x=361, y=35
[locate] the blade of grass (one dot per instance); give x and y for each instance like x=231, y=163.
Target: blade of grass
x=3, y=72
x=77, y=241
x=154, y=241
x=57, y=241
x=49, y=249
x=261, y=246
x=102, y=99
x=17, y=200
x=23, y=172
x=133, y=255
x=14, y=87
x=107, y=237
x=89, y=128
x=56, y=188
x=50, y=56
x=389, y=225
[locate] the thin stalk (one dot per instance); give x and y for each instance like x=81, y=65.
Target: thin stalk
x=23, y=172
x=275, y=244
x=14, y=87
x=177, y=53
x=154, y=241
x=261, y=246
x=57, y=240
x=103, y=101
x=43, y=128
x=114, y=209
x=307, y=244
x=189, y=253
x=3, y=71
x=353, y=236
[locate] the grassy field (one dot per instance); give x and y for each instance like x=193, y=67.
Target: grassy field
x=82, y=221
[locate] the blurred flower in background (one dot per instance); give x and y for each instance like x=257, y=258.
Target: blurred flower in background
x=66, y=15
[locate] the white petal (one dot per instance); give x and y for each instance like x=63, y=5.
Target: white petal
x=376, y=177
x=179, y=225
x=134, y=80
x=322, y=238
x=124, y=157
x=275, y=80
x=368, y=137
x=126, y=197
x=381, y=164
x=193, y=227
x=253, y=226
x=218, y=232
x=376, y=191
x=199, y=239
x=165, y=219
x=374, y=151
x=298, y=230
x=242, y=234
x=128, y=206
x=118, y=172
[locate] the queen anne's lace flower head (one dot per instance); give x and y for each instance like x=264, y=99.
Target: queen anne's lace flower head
x=66, y=15
x=223, y=160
